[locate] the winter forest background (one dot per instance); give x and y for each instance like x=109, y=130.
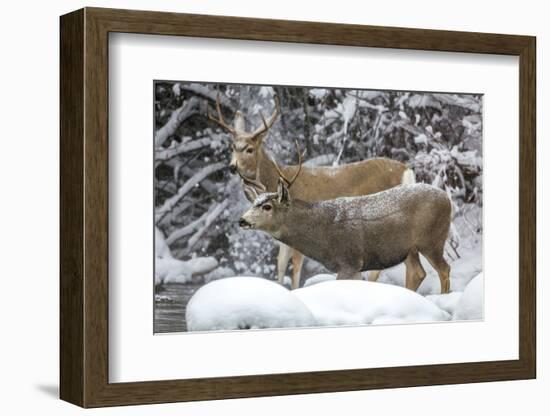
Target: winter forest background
x=198, y=202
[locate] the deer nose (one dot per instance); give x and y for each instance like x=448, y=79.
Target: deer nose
x=232, y=169
x=243, y=223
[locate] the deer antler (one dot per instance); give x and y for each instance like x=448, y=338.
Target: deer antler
x=220, y=121
x=280, y=172
x=255, y=183
x=267, y=124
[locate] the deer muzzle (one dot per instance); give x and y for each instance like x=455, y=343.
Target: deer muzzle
x=244, y=224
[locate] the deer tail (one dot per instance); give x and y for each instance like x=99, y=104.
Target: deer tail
x=454, y=236
x=408, y=177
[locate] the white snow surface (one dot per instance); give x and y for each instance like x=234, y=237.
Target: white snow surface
x=357, y=302
x=448, y=302
x=245, y=303
x=220, y=272
x=319, y=278
x=470, y=304
x=171, y=270
x=161, y=248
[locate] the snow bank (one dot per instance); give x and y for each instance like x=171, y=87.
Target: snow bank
x=354, y=302
x=470, y=304
x=171, y=270
x=245, y=303
x=161, y=248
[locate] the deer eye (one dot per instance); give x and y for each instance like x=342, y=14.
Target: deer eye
x=266, y=207
x=250, y=150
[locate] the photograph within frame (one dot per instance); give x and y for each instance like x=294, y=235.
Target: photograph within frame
x=205, y=130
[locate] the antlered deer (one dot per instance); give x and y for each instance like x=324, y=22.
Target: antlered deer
x=353, y=234
x=254, y=165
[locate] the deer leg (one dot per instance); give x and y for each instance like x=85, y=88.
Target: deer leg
x=297, y=262
x=282, y=261
x=415, y=273
x=442, y=267
x=374, y=275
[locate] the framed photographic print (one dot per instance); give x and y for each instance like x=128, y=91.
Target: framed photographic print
x=260, y=207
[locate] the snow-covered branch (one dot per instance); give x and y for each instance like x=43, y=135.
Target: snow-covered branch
x=206, y=92
x=460, y=101
x=171, y=270
x=210, y=218
x=178, y=116
x=182, y=148
x=170, y=203
x=189, y=228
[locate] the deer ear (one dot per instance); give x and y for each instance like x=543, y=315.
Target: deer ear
x=250, y=193
x=282, y=192
x=239, y=123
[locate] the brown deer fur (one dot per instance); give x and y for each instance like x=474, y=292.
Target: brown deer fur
x=251, y=161
x=353, y=234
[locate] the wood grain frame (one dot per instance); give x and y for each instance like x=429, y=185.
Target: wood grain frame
x=84, y=207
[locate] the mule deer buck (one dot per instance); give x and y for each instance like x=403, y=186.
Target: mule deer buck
x=349, y=235
x=251, y=161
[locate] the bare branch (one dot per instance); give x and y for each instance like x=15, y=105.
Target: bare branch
x=400, y=154
x=170, y=203
x=210, y=218
x=206, y=92
x=178, y=116
x=220, y=121
x=459, y=101
x=175, y=213
x=187, y=147
x=189, y=228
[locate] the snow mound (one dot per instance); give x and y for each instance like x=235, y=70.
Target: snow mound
x=355, y=302
x=470, y=304
x=448, y=302
x=319, y=278
x=219, y=273
x=171, y=270
x=245, y=303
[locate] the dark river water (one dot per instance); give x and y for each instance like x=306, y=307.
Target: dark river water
x=170, y=303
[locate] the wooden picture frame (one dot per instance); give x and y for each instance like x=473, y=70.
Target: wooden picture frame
x=84, y=207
